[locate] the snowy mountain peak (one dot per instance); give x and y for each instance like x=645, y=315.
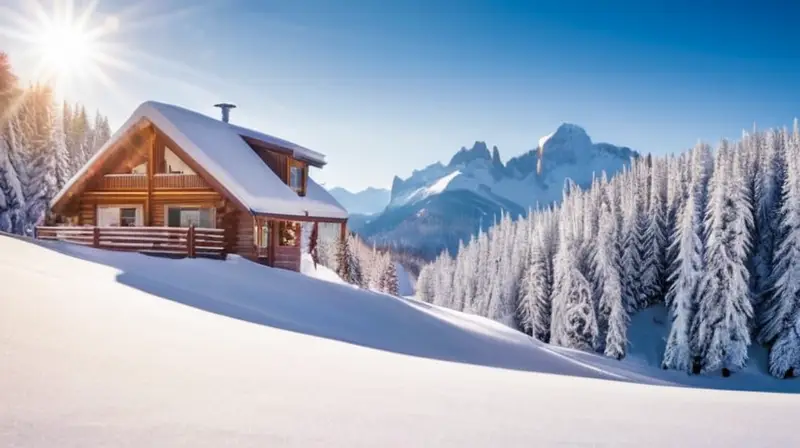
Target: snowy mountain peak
x=476, y=185
x=464, y=156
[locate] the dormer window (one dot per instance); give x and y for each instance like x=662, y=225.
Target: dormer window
x=297, y=177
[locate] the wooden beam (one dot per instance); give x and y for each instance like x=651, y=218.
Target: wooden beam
x=302, y=218
x=121, y=193
x=274, y=240
x=151, y=167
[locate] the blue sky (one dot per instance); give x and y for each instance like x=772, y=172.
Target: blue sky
x=386, y=87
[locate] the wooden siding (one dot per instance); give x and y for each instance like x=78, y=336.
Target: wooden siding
x=245, y=244
x=287, y=257
x=277, y=162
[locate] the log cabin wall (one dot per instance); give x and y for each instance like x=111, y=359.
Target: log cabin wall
x=243, y=224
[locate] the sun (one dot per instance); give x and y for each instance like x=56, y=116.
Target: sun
x=66, y=50
x=68, y=47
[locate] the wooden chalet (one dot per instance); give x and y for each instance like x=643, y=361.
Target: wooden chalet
x=175, y=181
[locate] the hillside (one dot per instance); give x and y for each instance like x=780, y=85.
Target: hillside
x=102, y=348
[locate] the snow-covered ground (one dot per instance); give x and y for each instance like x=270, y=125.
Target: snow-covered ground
x=114, y=349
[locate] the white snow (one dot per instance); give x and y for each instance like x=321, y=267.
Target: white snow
x=440, y=185
x=219, y=148
x=117, y=349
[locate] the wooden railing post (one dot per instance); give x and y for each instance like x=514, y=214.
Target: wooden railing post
x=36, y=232
x=190, y=241
x=96, y=237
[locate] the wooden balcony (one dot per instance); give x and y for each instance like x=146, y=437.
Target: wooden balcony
x=132, y=182
x=179, y=182
x=123, y=182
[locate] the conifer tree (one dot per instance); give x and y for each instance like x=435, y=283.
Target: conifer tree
x=770, y=214
x=722, y=321
x=349, y=269
x=688, y=270
x=389, y=279
x=612, y=316
x=781, y=318
x=655, y=237
x=574, y=322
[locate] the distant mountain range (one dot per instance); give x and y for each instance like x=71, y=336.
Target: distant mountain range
x=365, y=202
x=440, y=205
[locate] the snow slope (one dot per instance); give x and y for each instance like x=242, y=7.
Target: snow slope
x=114, y=349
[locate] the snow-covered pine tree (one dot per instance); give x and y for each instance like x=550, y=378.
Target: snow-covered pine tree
x=101, y=133
x=63, y=167
x=631, y=239
x=39, y=183
x=537, y=289
x=722, y=321
x=478, y=301
x=688, y=269
x=768, y=223
x=612, y=313
x=389, y=278
x=461, y=277
x=424, y=288
x=11, y=200
x=781, y=312
x=503, y=303
x=574, y=322
x=443, y=280
x=654, y=255
x=349, y=269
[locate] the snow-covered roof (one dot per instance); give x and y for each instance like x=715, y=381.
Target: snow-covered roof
x=219, y=148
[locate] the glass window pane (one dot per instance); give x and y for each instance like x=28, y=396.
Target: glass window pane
x=288, y=234
x=296, y=178
x=127, y=217
x=190, y=217
x=174, y=217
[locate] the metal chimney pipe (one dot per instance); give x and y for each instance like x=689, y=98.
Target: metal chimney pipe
x=226, y=108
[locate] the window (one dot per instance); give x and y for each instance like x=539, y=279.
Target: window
x=119, y=216
x=288, y=233
x=127, y=217
x=190, y=216
x=297, y=178
x=265, y=235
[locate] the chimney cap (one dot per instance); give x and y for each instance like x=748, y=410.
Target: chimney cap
x=226, y=107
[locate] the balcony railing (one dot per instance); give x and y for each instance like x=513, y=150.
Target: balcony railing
x=160, y=181
x=123, y=182
x=178, y=181
x=183, y=241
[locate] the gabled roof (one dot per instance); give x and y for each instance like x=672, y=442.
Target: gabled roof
x=220, y=149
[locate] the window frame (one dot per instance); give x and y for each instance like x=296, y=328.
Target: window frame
x=212, y=213
x=138, y=214
x=303, y=168
x=284, y=226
